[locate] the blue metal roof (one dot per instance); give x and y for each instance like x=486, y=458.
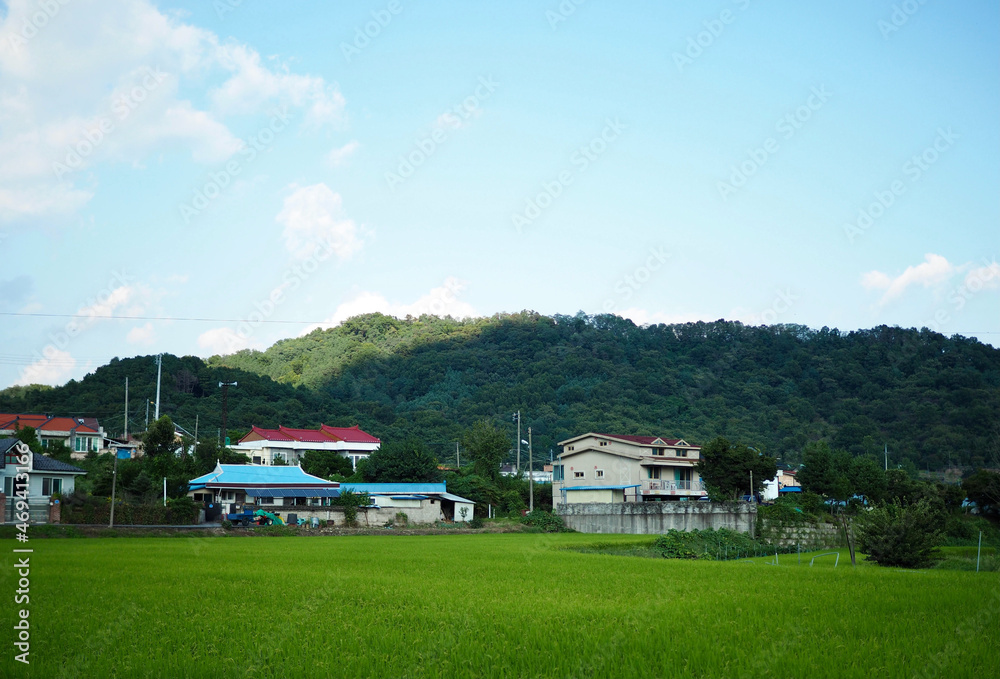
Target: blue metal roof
x=395, y=488
x=253, y=474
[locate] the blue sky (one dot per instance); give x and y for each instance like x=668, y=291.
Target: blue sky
x=827, y=165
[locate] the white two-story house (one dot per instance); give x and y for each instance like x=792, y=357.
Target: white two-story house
x=620, y=468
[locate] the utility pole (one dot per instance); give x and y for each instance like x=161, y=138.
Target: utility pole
x=458, y=458
x=531, y=477
x=159, y=368
x=225, y=408
x=886, y=456
x=517, y=418
x=126, y=409
x=196, y=416
x=752, y=498
x=114, y=480
x=147, y=413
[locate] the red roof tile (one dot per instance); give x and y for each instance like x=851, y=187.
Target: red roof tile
x=350, y=434
x=644, y=440
x=325, y=434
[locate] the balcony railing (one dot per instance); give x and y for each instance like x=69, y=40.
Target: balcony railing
x=670, y=485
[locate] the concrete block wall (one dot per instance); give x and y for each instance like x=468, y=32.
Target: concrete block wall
x=655, y=518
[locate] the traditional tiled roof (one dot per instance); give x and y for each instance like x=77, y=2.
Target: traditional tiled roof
x=45, y=423
x=350, y=434
x=43, y=463
x=644, y=440
x=325, y=434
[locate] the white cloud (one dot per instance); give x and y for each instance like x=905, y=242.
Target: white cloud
x=983, y=278
x=141, y=334
x=222, y=341
x=54, y=368
x=117, y=81
x=440, y=301
x=315, y=224
x=253, y=85
x=934, y=270
x=339, y=156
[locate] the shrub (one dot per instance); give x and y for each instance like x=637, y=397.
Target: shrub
x=900, y=535
x=477, y=522
x=548, y=523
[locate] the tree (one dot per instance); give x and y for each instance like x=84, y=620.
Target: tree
x=900, y=535
x=868, y=479
x=326, y=463
x=409, y=461
x=27, y=436
x=487, y=446
x=818, y=474
x=158, y=444
x=726, y=467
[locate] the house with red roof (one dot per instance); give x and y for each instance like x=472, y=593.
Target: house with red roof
x=264, y=446
x=80, y=434
x=626, y=468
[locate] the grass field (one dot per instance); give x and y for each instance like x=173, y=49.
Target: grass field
x=519, y=605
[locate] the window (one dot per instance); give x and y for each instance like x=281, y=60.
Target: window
x=8, y=486
x=599, y=474
x=570, y=448
x=653, y=472
x=604, y=443
x=256, y=459
x=658, y=451
x=229, y=495
x=51, y=486
x=557, y=472
x=578, y=475
x=681, y=453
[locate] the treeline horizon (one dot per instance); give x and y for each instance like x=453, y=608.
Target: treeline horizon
x=933, y=401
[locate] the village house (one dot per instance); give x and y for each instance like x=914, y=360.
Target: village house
x=287, y=445
x=80, y=434
x=624, y=468
x=46, y=478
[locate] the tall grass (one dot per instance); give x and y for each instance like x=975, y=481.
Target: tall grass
x=509, y=605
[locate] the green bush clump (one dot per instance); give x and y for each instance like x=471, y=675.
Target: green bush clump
x=900, y=535
x=721, y=545
x=548, y=523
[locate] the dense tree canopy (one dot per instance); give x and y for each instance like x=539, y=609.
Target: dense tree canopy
x=407, y=461
x=930, y=398
x=726, y=469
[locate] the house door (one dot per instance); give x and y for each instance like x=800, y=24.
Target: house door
x=683, y=478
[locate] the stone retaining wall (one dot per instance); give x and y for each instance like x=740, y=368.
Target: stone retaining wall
x=655, y=518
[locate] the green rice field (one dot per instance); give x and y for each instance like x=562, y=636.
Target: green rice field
x=489, y=605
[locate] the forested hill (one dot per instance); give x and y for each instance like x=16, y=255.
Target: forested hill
x=935, y=401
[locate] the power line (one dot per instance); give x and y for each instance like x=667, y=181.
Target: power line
x=159, y=318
